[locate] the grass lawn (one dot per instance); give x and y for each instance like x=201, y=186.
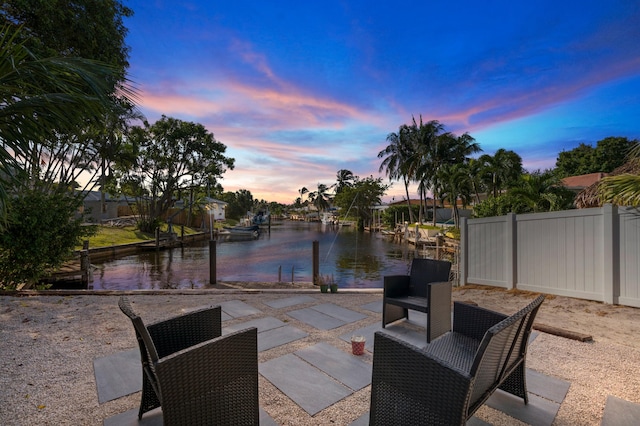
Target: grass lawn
x=111, y=235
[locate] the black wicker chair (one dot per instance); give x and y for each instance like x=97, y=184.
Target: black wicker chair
x=445, y=383
x=194, y=373
x=427, y=289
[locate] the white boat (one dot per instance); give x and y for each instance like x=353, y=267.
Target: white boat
x=252, y=231
x=328, y=218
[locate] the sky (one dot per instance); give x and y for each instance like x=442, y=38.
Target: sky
x=298, y=90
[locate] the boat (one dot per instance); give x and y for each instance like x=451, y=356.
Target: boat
x=328, y=218
x=261, y=218
x=252, y=231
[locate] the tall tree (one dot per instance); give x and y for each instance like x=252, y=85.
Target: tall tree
x=474, y=167
x=42, y=102
x=439, y=149
x=428, y=151
x=172, y=155
x=611, y=153
x=361, y=196
x=608, y=154
x=320, y=197
x=90, y=29
x=500, y=170
x=455, y=184
x=397, y=160
x=240, y=202
x=344, y=178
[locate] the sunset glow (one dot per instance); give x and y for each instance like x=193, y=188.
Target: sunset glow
x=300, y=90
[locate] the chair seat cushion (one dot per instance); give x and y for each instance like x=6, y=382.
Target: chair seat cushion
x=409, y=302
x=455, y=349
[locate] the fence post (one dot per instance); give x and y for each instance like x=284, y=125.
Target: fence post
x=316, y=261
x=611, y=254
x=84, y=267
x=511, y=251
x=213, y=279
x=463, y=256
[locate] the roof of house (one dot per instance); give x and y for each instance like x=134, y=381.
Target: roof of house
x=589, y=196
x=578, y=183
x=412, y=201
x=97, y=196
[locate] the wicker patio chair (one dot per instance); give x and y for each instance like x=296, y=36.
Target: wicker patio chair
x=445, y=383
x=194, y=373
x=426, y=289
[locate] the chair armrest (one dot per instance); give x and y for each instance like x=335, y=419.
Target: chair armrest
x=439, y=316
x=408, y=383
x=216, y=380
x=396, y=285
x=474, y=321
x=178, y=333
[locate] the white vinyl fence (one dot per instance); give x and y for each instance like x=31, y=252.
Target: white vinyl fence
x=590, y=254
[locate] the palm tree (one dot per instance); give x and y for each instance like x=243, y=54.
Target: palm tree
x=396, y=163
x=302, y=191
x=443, y=149
x=42, y=98
x=542, y=192
x=474, y=167
x=624, y=188
x=319, y=198
x=500, y=170
x=344, y=179
x=454, y=184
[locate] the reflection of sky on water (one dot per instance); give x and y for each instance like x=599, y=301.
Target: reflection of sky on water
x=355, y=259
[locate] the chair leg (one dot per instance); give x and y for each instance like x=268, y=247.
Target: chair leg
x=149, y=399
x=516, y=383
x=391, y=313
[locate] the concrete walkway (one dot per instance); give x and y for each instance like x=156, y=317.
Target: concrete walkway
x=71, y=358
x=319, y=375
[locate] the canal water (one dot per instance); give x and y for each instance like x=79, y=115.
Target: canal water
x=355, y=259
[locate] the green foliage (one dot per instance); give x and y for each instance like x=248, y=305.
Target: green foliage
x=534, y=192
x=172, y=157
x=320, y=197
x=91, y=29
x=359, y=197
x=609, y=154
x=393, y=213
x=41, y=234
x=623, y=189
x=419, y=151
x=344, y=178
x=499, y=206
x=499, y=171
x=542, y=192
x=239, y=203
x=43, y=104
x=398, y=159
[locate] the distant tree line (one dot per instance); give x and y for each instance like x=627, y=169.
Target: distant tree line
x=443, y=163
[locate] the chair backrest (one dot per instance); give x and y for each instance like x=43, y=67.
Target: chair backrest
x=502, y=348
x=424, y=271
x=148, y=353
x=213, y=383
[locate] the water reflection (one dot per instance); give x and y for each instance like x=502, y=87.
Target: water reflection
x=354, y=258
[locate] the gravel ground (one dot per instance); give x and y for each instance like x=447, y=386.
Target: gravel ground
x=48, y=344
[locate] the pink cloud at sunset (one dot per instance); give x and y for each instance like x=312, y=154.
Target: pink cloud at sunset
x=298, y=92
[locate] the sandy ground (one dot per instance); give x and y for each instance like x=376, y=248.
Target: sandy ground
x=48, y=344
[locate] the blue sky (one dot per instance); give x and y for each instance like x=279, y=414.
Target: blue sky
x=298, y=90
